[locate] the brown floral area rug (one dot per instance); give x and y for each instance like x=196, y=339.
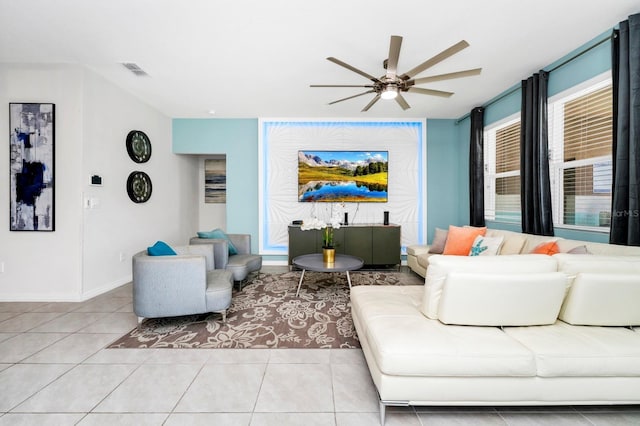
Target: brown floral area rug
x=267, y=314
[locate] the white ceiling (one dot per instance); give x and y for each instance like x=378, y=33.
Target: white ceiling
x=257, y=58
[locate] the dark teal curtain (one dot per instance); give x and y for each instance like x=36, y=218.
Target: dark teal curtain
x=476, y=168
x=535, y=186
x=625, y=208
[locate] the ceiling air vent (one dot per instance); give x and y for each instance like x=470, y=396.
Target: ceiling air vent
x=134, y=68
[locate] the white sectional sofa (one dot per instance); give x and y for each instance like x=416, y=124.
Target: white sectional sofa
x=518, y=243
x=506, y=330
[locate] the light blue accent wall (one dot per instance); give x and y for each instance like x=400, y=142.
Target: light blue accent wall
x=507, y=106
x=445, y=201
x=590, y=64
x=238, y=140
x=593, y=63
x=463, y=133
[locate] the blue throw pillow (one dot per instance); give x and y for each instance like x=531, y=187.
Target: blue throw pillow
x=219, y=234
x=160, y=248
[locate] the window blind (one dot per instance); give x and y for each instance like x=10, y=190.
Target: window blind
x=507, y=207
x=508, y=148
x=581, y=130
x=588, y=125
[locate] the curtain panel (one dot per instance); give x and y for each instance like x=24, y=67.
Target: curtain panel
x=476, y=168
x=625, y=208
x=535, y=186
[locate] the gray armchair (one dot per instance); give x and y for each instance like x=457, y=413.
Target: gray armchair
x=241, y=264
x=184, y=284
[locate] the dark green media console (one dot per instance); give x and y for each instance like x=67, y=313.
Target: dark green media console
x=375, y=244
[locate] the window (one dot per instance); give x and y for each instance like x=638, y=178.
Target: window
x=502, y=171
x=580, y=146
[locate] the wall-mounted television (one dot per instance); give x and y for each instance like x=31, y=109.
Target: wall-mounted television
x=343, y=176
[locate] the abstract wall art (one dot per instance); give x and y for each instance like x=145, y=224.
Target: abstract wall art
x=31, y=167
x=215, y=181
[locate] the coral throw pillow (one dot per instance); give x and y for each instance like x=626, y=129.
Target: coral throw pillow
x=550, y=248
x=460, y=240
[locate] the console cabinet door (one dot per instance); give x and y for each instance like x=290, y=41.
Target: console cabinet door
x=385, y=245
x=310, y=241
x=338, y=240
x=357, y=242
x=302, y=242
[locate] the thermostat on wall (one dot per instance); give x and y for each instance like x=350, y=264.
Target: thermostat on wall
x=96, y=180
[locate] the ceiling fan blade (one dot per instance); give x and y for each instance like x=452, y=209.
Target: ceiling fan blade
x=340, y=85
x=436, y=59
x=394, y=54
x=448, y=76
x=351, y=97
x=370, y=104
x=402, y=102
x=351, y=68
x=430, y=92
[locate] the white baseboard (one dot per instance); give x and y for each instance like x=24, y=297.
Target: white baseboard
x=40, y=297
x=63, y=297
x=274, y=262
x=105, y=288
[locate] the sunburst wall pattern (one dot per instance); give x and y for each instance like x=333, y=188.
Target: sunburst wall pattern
x=279, y=143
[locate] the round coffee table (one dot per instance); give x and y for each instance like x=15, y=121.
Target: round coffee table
x=314, y=262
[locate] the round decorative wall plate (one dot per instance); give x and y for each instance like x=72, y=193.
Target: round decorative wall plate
x=138, y=146
x=139, y=187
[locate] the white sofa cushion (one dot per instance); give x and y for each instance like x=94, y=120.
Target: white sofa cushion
x=501, y=299
x=572, y=264
x=513, y=241
x=602, y=249
x=563, y=350
x=405, y=343
x=418, y=249
x=440, y=266
x=603, y=299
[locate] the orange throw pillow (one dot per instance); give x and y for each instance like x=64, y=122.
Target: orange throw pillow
x=549, y=248
x=460, y=240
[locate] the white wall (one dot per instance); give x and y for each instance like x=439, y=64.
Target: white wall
x=44, y=265
x=117, y=228
x=81, y=257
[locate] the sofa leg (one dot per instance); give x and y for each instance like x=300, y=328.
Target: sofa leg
x=384, y=404
x=224, y=316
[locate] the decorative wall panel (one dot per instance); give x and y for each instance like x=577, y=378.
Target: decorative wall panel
x=279, y=143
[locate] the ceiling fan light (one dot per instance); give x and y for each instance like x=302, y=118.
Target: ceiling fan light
x=389, y=92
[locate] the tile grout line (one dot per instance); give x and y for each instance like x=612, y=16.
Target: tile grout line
x=173, y=409
x=115, y=387
x=264, y=374
x=42, y=387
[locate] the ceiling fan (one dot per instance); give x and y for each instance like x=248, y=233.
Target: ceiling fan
x=390, y=85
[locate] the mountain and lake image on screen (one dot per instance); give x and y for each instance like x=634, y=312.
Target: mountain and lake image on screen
x=343, y=176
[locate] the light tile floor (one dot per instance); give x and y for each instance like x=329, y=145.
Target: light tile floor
x=54, y=370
